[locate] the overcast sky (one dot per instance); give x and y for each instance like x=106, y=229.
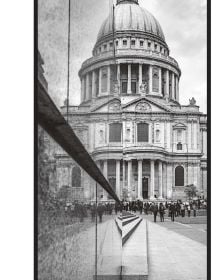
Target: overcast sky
x=183, y=23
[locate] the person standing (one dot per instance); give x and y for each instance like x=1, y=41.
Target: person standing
x=172, y=211
x=189, y=210
x=93, y=212
x=161, y=211
x=100, y=210
x=154, y=209
x=194, y=210
x=182, y=210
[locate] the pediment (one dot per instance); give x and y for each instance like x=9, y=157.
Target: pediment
x=145, y=105
x=113, y=105
x=179, y=126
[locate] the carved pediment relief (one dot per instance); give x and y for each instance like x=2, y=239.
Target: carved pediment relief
x=114, y=106
x=143, y=106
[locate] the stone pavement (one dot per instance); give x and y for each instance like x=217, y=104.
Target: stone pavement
x=172, y=256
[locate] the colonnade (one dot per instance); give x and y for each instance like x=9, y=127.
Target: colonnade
x=127, y=178
x=91, y=82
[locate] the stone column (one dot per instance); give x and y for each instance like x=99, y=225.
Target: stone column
x=93, y=84
x=82, y=89
x=160, y=180
x=118, y=73
x=167, y=84
x=173, y=86
x=140, y=179
x=87, y=86
x=204, y=138
x=105, y=173
x=150, y=79
x=152, y=179
x=129, y=78
x=140, y=76
x=129, y=174
x=195, y=135
x=160, y=81
x=177, y=88
x=118, y=178
x=100, y=81
x=123, y=170
x=108, y=79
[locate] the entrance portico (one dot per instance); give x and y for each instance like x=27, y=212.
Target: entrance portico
x=137, y=178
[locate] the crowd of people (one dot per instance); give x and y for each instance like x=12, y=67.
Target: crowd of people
x=173, y=209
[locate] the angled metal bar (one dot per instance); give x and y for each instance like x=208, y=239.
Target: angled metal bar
x=50, y=118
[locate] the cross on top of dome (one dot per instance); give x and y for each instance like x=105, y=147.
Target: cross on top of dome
x=127, y=1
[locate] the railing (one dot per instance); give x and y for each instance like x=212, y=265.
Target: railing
x=121, y=52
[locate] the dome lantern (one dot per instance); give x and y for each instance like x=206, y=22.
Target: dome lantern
x=127, y=1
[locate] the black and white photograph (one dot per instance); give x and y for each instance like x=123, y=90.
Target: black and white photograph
x=122, y=184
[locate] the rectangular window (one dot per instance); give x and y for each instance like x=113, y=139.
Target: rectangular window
x=141, y=43
x=149, y=45
x=105, y=47
x=133, y=87
x=142, y=132
x=133, y=42
x=111, y=45
x=124, y=42
x=124, y=87
x=115, y=132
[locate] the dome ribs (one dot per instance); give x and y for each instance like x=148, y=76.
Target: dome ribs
x=131, y=17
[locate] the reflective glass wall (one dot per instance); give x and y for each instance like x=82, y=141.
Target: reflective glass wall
x=77, y=234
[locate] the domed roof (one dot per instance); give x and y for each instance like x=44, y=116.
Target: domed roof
x=129, y=16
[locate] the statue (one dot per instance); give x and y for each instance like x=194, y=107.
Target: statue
x=143, y=88
x=192, y=101
x=65, y=102
x=116, y=88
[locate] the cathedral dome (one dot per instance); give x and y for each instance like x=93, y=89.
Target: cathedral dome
x=131, y=18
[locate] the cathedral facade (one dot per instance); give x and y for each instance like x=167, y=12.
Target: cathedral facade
x=130, y=120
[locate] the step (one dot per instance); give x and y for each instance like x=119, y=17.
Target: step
x=129, y=220
x=129, y=229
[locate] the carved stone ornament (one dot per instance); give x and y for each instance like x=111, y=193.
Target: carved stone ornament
x=192, y=101
x=143, y=88
x=114, y=107
x=65, y=102
x=143, y=106
x=116, y=88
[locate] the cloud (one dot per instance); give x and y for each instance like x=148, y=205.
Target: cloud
x=183, y=23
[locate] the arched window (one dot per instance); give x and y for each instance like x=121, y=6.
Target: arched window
x=179, y=176
x=179, y=146
x=115, y=132
x=76, y=177
x=142, y=132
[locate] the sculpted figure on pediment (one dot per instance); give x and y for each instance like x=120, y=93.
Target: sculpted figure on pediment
x=143, y=106
x=192, y=101
x=115, y=106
